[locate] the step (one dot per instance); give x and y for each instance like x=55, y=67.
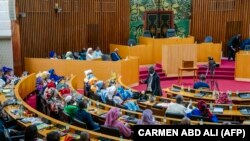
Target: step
x=222, y=69
x=218, y=73
x=158, y=65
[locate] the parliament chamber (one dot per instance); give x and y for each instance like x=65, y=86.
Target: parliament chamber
x=85, y=70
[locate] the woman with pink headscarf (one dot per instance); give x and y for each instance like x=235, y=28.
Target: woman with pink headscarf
x=112, y=121
x=147, y=118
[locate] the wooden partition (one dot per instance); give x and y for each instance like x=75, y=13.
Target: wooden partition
x=158, y=43
x=143, y=52
x=129, y=69
x=205, y=50
x=173, y=56
x=242, y=66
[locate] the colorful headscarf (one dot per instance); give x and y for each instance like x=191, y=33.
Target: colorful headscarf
x=147, y=118
x=202, y=106
x=112, y=117
x=64, y=91
x=6, y=69
x=51, y=84
x=51, y=54
x=223, y=99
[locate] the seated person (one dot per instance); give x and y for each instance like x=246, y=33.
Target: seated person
x=115, y=56
x=112, y=121
x=124, y=93
x=128, y=104
x=85, y=117
x=69, y=56
x=101, y=91
x=69, y=108
x=89, y=54
x=54, y=76
x=88, y=75
x=185, y=121
x=178, y=107
x=31, y=134
x=147, y=118
x=111, y=91
x=53, y=136
x=223, y=99
x=97, y=53
x=83, y=54
x=84, y=136
x=52, y=55
x=203, y=110
x=201, y=83
x=7, y=76
x=2, y=79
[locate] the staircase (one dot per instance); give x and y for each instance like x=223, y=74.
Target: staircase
x=143, y=72
x=225, y=71
x=220, y=73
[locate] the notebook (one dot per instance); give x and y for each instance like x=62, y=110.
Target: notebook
x=218, y=110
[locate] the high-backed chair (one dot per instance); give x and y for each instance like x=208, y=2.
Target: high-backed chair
x=79, y=123
x=64, y=116
x=110, y=131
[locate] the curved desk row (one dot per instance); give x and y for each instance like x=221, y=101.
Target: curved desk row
x=208, y=97
x=160, y=119
x=22, y=90
x=230, y=111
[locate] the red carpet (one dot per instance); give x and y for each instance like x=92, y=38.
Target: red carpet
x=224, y=76
x=224, y=85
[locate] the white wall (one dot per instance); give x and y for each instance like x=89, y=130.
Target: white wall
x=6, y=53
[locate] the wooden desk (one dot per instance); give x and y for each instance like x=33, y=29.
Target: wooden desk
x=161, y=119
x=242, y=66
x=205, y=50
x=208, y=98
x=181, y=69
x=173, y=56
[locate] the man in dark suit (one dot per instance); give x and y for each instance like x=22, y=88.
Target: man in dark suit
x=115, y=56
x=233, y=46
x=85, y=117
x=153, y=82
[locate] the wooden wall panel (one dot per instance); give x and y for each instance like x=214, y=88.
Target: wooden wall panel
x=211, y=17
x=81, y=23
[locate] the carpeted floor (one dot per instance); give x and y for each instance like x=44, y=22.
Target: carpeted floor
x=224, y=75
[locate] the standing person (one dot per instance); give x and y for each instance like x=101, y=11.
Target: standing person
x=233, y=46
x=115, y=56
x=153, y=82
x=97, y=53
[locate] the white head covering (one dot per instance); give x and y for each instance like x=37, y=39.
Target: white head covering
x=69, y=55
x=89, y=49
x=111, y=91
x=68, y=98
x=87, y=72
